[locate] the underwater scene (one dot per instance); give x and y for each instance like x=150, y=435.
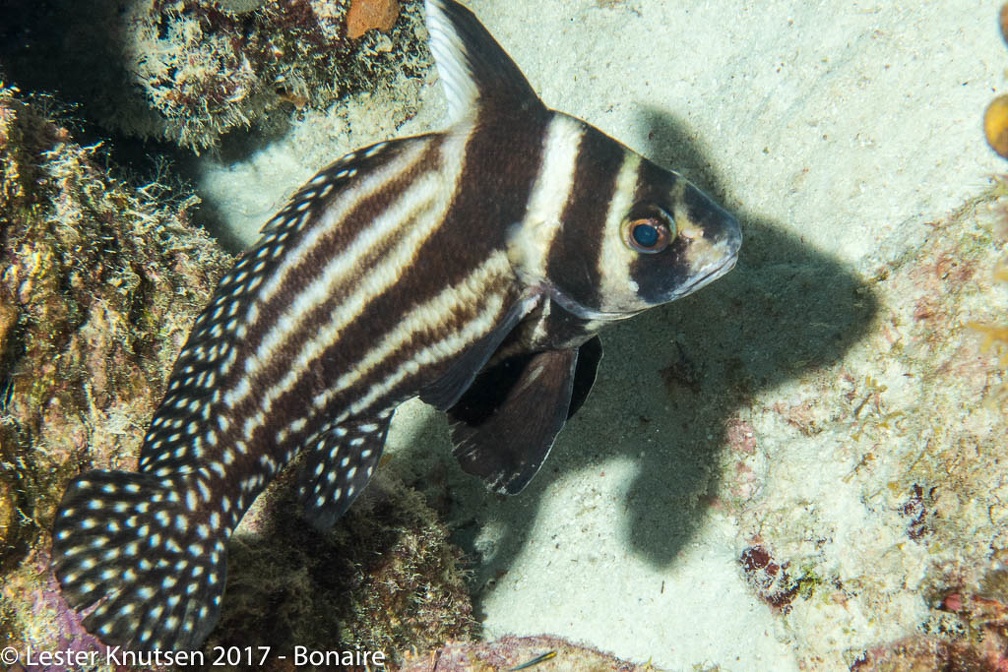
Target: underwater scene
x=444, y=335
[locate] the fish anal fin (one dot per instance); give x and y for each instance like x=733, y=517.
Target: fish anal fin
x=505, y=425
x=339, y=463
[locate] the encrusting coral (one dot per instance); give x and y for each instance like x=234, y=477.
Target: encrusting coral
x=996, y=335
x=537, y=654
x=205, y=68
x=884, y=561
x=97, y=289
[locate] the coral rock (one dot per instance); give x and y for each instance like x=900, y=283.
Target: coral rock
x=511, y=652
x=190, y=71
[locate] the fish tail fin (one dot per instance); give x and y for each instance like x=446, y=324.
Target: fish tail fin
x=136, y=554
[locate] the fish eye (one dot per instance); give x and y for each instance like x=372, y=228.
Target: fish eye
x=648, y=233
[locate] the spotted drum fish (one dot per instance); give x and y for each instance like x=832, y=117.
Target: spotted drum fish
x=471, y=267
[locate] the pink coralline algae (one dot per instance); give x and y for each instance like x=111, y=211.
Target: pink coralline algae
x=769, y=578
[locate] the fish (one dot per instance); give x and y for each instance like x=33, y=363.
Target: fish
x=471, y=267
x=549, y=655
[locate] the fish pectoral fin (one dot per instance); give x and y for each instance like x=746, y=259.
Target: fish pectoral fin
x=505, y=425
x=339, y=464
x=477, y=74
x=446, y=390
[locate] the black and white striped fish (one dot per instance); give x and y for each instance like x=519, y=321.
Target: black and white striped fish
x=471, y=267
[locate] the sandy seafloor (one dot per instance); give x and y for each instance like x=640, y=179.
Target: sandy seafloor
x=836, y=131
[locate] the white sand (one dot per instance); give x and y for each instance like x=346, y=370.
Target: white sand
x=848, y=125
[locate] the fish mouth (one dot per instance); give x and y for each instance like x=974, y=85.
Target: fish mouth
x=706, y=277
x=715, y=259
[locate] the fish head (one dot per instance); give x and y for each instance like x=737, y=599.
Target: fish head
x=605, y=233
x=634, y=235
x=673, y=240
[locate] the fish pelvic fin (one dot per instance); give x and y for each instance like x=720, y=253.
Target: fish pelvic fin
x=477, y=73
x=505, y=425
x=130, y=549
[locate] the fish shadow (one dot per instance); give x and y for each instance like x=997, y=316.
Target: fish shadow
x=673, y=389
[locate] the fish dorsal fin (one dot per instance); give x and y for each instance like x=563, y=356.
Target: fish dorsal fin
x=478, y=74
